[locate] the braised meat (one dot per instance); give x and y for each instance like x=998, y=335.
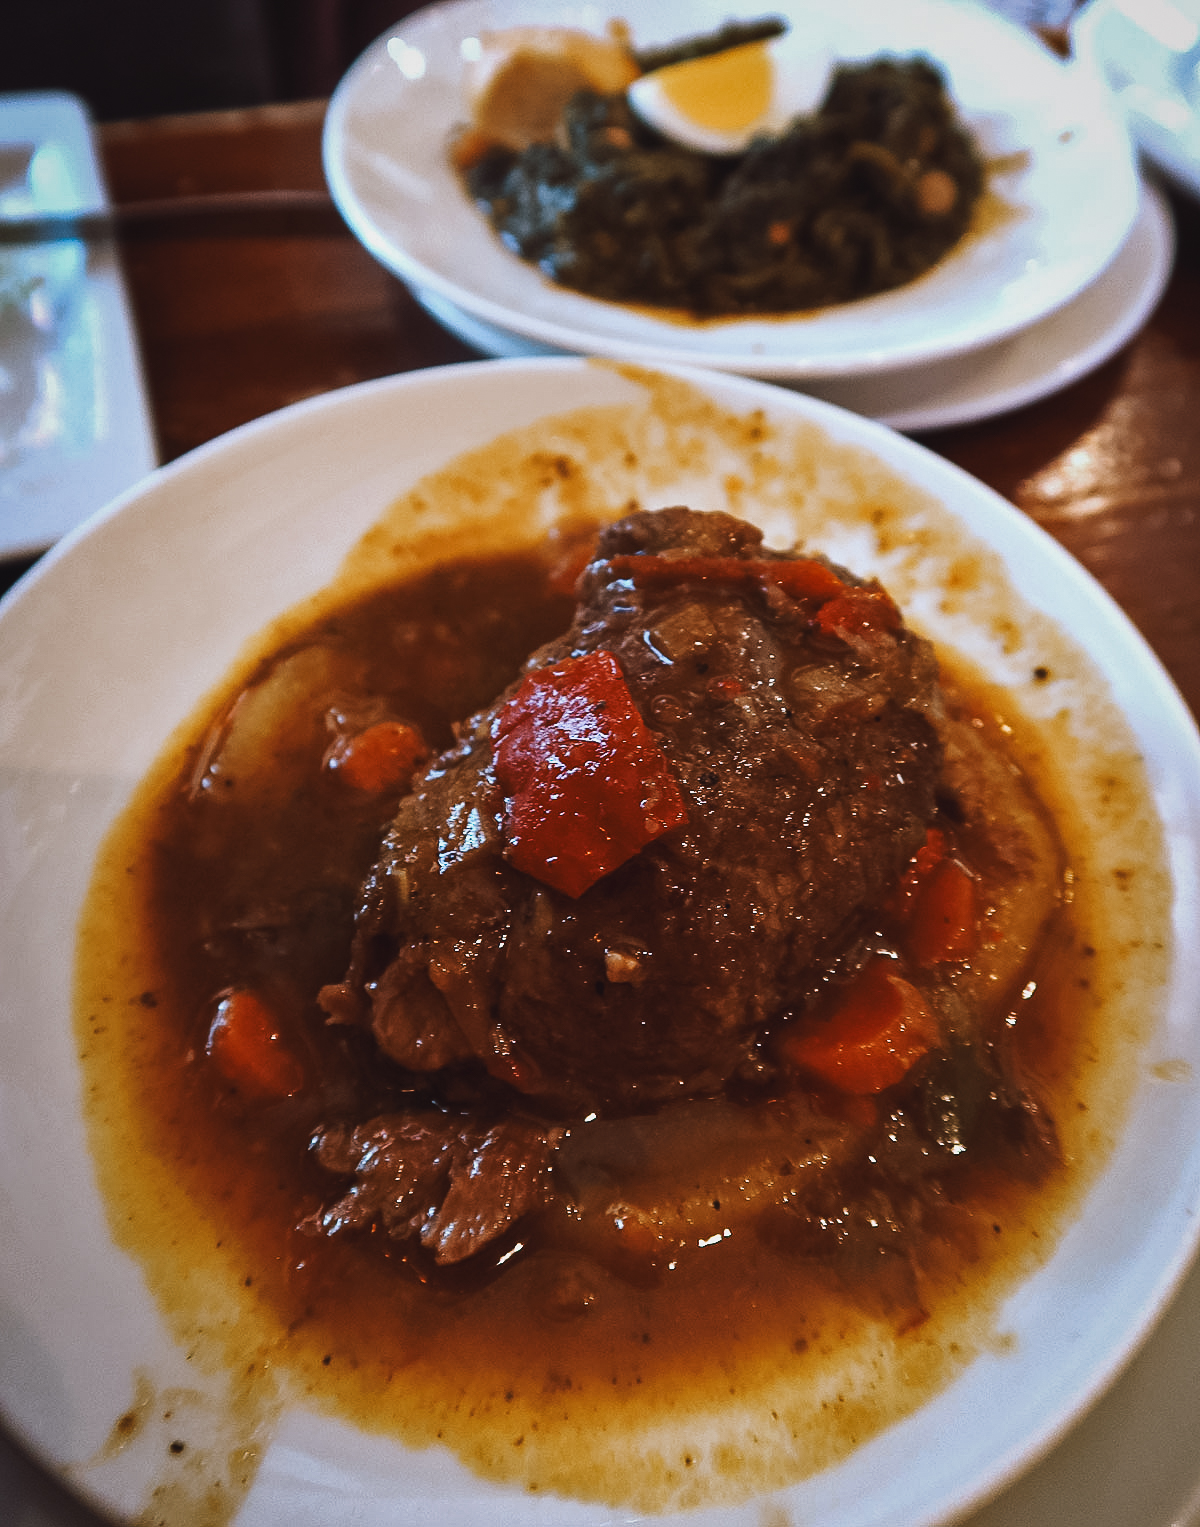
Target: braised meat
x=784, y=761
x=710, y=919
x=431, y=1177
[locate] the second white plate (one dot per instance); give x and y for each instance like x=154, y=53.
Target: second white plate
x=1051, y=131
x=1014, y=372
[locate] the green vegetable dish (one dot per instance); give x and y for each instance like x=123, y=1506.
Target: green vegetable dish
x=859, y=197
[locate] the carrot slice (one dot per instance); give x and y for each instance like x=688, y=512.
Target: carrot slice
x=381, y=757
x=944, y=924
x=879, y=1030
x=247, y=1048
x=585, y=783
x=858, y=612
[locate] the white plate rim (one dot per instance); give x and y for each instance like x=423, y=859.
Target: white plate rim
x=984, y=383
x=1133, y=284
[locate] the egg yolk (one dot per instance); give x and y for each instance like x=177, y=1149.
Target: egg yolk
x=725, y=92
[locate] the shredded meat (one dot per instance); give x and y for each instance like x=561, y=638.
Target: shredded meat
x=452, y=1186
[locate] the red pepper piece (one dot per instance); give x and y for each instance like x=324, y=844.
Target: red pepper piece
x=585, y=783
x=879, y=1030
x=920, y=867
x=858, y=610
x=842, y=607
x=802, y=578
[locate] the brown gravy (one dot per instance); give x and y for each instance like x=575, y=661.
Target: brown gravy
x=740, y=1371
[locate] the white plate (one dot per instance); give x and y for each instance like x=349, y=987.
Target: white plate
x=75, y=426
x=219, y=543
x=1039, y=361
x=1147, y=52
x=385, y=160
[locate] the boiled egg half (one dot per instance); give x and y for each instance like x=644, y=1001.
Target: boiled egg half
x=717, y=103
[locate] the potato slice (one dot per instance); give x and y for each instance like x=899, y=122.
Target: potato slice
x=524, y=77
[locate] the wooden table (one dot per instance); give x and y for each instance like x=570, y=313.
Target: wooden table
x=242, y=312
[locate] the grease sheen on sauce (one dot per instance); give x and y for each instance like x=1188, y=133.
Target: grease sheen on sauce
x=740, y=1373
